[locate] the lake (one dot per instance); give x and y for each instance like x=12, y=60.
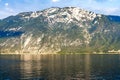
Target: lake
x=60, y=67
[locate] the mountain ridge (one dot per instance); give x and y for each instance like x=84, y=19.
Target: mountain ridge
x=59, y=30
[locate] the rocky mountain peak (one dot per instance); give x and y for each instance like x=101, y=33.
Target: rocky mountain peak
x=55, y=29
x=63, y=14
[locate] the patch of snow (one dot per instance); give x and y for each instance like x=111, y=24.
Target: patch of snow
x=35, y=14
x=99, y=15
x=106, y=30
x=95, y=22
x=52, y=10
x=14, y=29
x=52, y=16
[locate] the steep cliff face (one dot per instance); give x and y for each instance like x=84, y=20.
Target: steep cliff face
x=59, y=30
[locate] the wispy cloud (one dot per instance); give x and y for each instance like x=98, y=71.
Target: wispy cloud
x=104, y=0
x=6, y=4
x=111, y=10
x=4, y=14
x=108, y=7
x=7, y=8
x=107, y=10
x=55, y=0
x=100, y=1
x=99, y=6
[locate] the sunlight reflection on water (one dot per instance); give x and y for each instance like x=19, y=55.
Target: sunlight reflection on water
x=60, y=67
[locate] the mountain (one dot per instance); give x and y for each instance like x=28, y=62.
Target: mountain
x=59, y=30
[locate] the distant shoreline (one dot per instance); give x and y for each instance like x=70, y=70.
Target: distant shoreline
x=56, y=53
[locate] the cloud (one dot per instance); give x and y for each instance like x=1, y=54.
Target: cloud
x=55, y=0
x=4, y=13
x=101, y=1
x=6, y=4
x=111, y=10
x=111, y=0
x=7, y=8
x=107, y=10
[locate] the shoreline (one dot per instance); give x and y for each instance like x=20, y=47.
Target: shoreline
x=56, y=53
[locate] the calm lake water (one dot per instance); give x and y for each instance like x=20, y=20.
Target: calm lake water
x=60, y=67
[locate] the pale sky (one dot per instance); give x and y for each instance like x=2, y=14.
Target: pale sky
x=13, y=7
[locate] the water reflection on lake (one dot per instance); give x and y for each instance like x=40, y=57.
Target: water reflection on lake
x=60, y=67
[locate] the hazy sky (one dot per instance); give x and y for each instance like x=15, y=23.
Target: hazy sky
x=13, y=7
